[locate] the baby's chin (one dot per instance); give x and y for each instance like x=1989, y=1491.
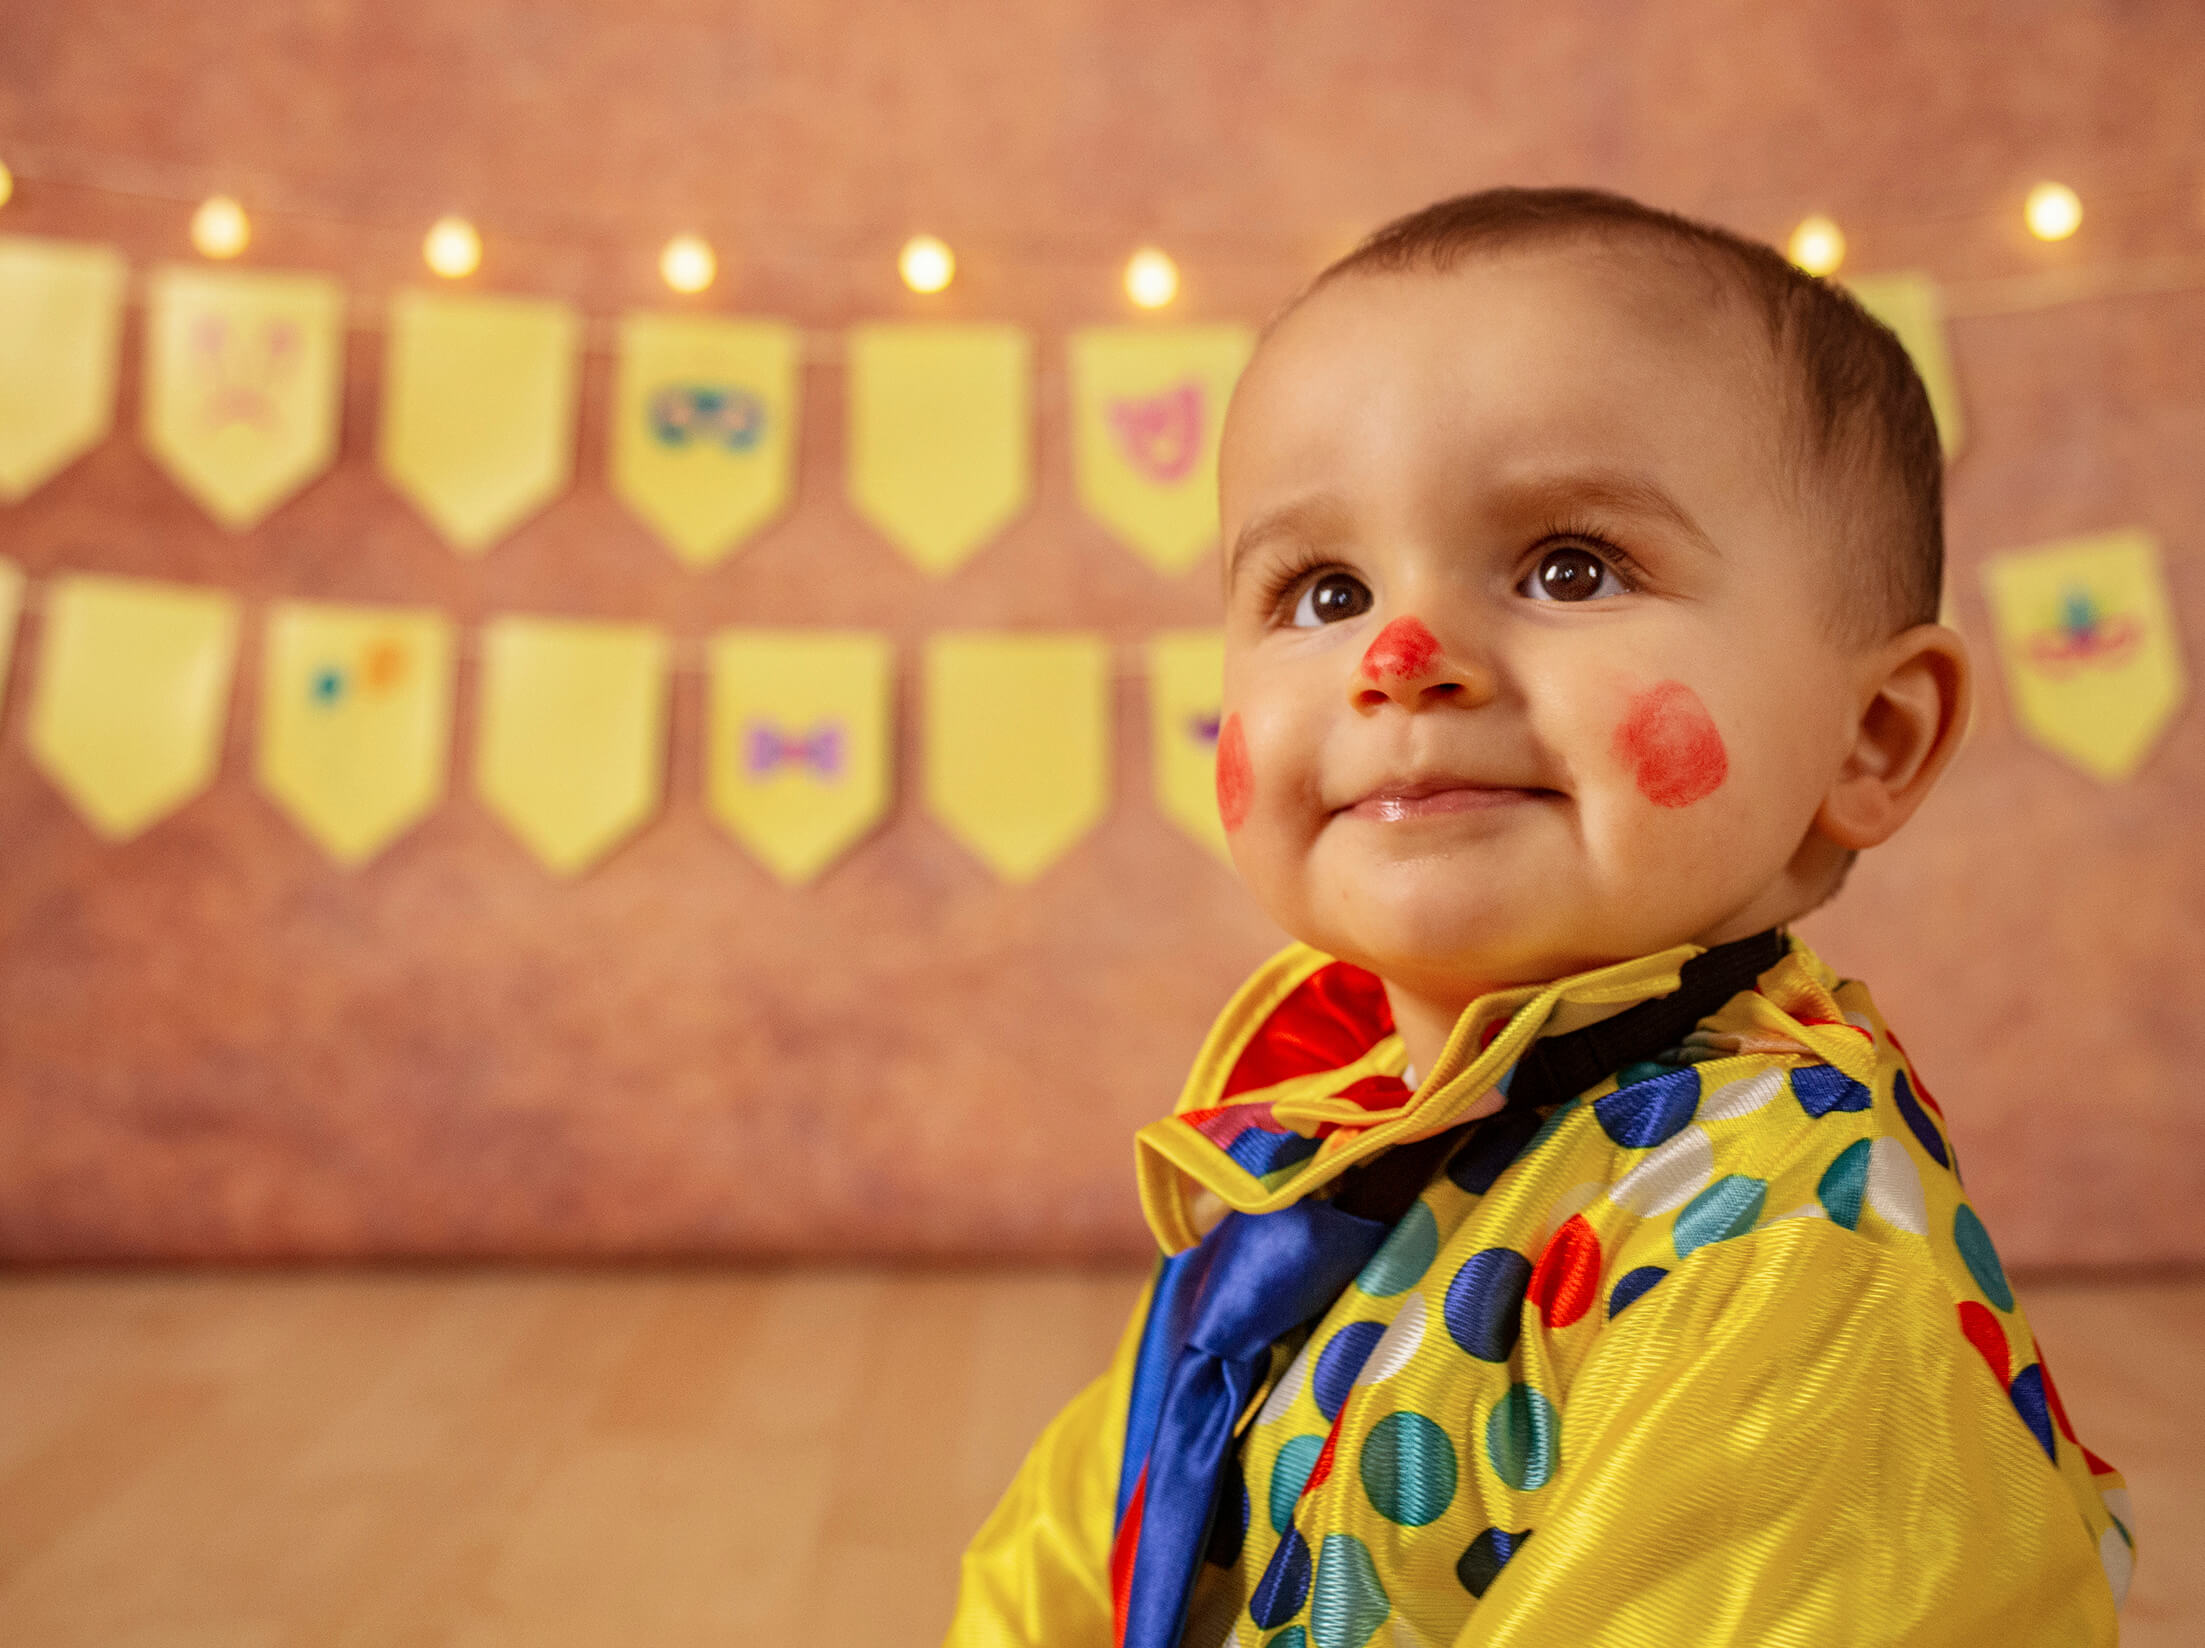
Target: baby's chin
x=1457, y=941
x=1456, y=946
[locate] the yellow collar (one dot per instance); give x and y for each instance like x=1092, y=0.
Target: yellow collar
x=1301, y=1078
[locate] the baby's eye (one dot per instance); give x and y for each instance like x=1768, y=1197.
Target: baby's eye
x=1329, y=599
x=1571, y=574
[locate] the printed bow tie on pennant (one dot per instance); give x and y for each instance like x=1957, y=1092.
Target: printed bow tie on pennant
x=767, y=749
x=1253, y=1281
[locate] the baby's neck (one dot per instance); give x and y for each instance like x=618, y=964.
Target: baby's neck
x=1425, y=1022
x=1426, y=1018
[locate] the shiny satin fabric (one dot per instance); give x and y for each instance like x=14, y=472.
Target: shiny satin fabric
x=1261, y=1278
x=1715, y=1352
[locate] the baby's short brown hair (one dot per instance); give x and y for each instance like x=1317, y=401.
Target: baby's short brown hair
x=1862, y=439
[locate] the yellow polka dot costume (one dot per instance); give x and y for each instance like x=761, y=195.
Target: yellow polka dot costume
x=1713, y=1352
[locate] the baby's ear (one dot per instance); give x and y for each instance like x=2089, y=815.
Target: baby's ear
x=1915, y=692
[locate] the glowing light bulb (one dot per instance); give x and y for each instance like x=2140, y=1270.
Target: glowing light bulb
x=220, y=229
x=926, y=264
x=452, y=248
x=1817, y=245
x=7, y=184
x=2054, y=211
x=687, y=264
x=1151, y=278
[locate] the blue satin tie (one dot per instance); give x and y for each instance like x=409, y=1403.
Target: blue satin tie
x=1253, y=1280
x=1219, y=1307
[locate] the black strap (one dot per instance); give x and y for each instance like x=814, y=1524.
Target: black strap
x=1559, y=1067
x=1562, y=1066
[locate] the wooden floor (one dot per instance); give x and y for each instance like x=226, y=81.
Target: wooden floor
x=652, y=1459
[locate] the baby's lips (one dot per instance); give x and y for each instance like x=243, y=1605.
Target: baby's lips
x=1394, y=806
x=1424, y=786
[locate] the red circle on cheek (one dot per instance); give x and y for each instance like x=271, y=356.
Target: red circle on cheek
x=1234, y=777
x=1669, y=742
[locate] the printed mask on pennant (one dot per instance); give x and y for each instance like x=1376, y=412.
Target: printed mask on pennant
x=243, y=371
x=355, y=721
x=941, y=435
x=1186, y=688
x=2086, y=636
x=571, y=751
x=704, y=428
x=798, y=764
x=60, y=327
x=1018, y=744
x=1913, y=308
x=1148, y=404
x=478, y=410
x=133, y=682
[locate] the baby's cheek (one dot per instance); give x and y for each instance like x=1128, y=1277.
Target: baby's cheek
x=1669, y=742
x=1234, y=777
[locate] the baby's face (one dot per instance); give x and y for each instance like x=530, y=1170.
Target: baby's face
x=1528, y=665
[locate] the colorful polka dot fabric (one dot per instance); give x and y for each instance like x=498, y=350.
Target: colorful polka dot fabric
x=1715, y=1352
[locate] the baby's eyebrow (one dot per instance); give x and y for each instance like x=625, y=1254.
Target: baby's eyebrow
x=1319, y=518
x=1615, y=490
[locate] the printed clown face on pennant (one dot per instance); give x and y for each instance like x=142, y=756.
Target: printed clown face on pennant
x=1529, y=665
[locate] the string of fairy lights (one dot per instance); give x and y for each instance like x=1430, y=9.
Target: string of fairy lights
x=452, y=246
x=2052, y=211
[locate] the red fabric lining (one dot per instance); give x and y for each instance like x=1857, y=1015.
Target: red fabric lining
x=1375, y=1092
x=1122, y=1550
x=1332, y=1018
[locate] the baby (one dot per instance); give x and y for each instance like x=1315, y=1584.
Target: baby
x=1559, y=1252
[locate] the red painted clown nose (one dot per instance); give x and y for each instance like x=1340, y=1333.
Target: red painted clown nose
x=1403, y=649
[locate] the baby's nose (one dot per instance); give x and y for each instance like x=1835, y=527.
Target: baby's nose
x=1405, y=665
x=1403, y=651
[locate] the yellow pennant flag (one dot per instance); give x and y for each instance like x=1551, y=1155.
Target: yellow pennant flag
x=941, y=435
x=571, y=750
x=1147, y=403
x=2086, y=634
x=1018, y=744
x=798, y=759
x=242, y=374
x=478, y=410
x=1913, y=308
x=355, y=720
x=704, y=427
x=133, y=680
x=1186, y=687
x=60, y=322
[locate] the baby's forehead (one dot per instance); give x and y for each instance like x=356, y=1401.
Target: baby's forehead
x=1636, y=283
x=1575, y=381
x=1577, y=334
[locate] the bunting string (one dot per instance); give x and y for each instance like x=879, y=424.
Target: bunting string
x=476, y=424
x=133, y=679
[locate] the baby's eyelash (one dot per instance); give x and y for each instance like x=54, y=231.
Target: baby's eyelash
x=1564, y=531
x=1284, y=581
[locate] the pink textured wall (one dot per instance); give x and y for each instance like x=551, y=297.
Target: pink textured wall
x=212, y=1042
